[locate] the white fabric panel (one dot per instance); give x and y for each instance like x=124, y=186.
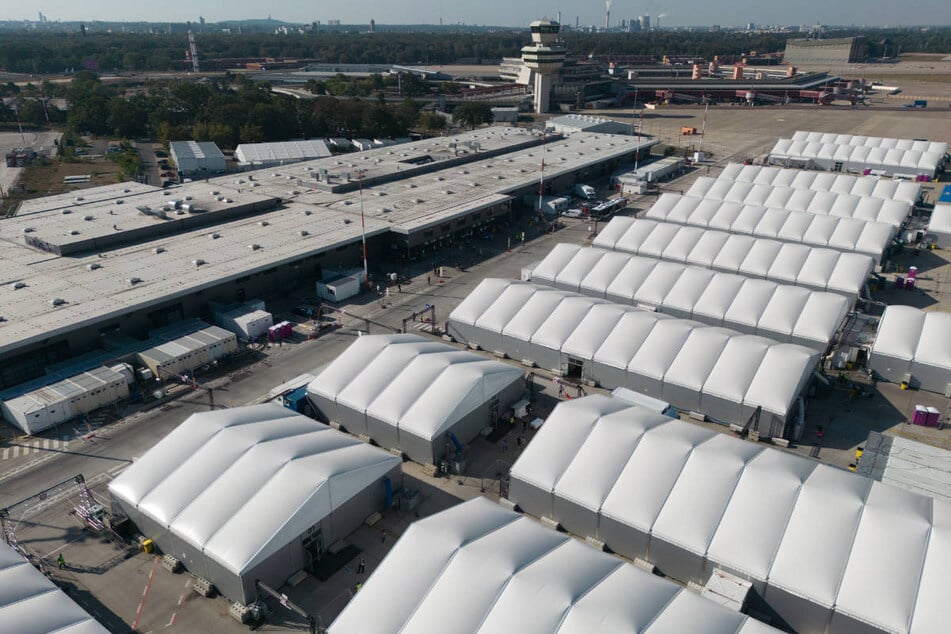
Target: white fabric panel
x=818, y=539
x=931, y=606
x=589, y=336
x=880, y=584
x=476, y=303
x=940, y=225
x=781, y=376
x=548, y=269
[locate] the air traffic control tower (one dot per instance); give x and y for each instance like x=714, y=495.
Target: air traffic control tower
x=545, y=57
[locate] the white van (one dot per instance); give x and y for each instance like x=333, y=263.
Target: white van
x=584, y=192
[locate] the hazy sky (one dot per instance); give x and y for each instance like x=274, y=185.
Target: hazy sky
x=497, y=12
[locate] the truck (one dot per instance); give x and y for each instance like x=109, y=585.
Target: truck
x=584, y=192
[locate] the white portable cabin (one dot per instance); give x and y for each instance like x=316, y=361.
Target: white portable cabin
x=246, y=324
x=834, y=232
x=478, y=567
x=62, y=401
x=413, y=394
x=818, y=202
x=864, y=186
x=338, y=288
x=916, y=343
x=720, y=372
x=245, y=493
x=188, y=352
x=782, y=312
x=816, y=268
x=690, y=500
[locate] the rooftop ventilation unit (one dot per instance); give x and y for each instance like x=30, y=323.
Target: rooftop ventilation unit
x=93, y=266
x=28, y=229
x=214, y=236
x=307, y=212
x=418, y=201
x=228, y=200
x=188, y=197
x=347, y=221
x=158, y=250
x=215, y=192
x=79, y=199
x=18, y=285
x=126, y=190
x=254, y=247
x=134, y=280
x=264, y=223
x=88, y=218
x=67, y=211
x=449, y=192
x=473, y=184
x=58, y=301
x=304, y=233
x=198, y=262
x=73, y=232
x=119, y=201
x=385, y=210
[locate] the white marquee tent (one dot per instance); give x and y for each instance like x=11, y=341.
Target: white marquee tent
x=478, y=567
x=233, y=492
x=410, y=393
x=822, y=546
x=782, y=262
x=786, y=313
x=822, y=203
x=800, y=227
x=720, y=372
x=865, y=186
x=31, y=604
x=856, y=154
x=279, y=153
x=940, y=225
x=912, y=341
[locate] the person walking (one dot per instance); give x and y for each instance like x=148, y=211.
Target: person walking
x=61, y=562
x=383, y=536
x=362, y=566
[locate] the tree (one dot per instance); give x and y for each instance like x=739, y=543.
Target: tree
x=472, y=114
x=31, y=111
x=432, y=121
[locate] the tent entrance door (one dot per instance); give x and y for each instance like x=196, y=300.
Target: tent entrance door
x=838, y=167
x=313, y=549
x=575, y=367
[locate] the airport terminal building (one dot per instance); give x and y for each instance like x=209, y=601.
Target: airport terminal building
x=126, y=259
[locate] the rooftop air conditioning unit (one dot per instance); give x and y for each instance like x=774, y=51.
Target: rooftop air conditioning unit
x=73, y=232
x=126, y=190
x=28, y=229
x=59, y=301
x=79, y=199
x=198, y=262
x=88, y=218
x=134, y=280
x=158, y=250
x=307, y=212
x=18, y=285
x=67, y=211
x=304, y=233
x=214, y=236
x=228, y=200
x=119, y=201
x=254, y=247
x=264, y=223
x=93, y=266
x=214, y=192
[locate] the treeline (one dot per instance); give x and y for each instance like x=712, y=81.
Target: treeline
x=42, y=53
x=227, y=111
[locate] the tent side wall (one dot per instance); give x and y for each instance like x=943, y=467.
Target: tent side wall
x=890, y=368
x=929, y=377
x=802, y=615
x=622, y=538
x=676, y=561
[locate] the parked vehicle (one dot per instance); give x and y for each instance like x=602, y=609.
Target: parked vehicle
x=584, y=192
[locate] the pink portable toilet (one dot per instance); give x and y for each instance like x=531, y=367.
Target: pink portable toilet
x=933, y=416
x=920, y=417
x=287, y=328
x=912, y=272
x=910, y=284
x=899, y=281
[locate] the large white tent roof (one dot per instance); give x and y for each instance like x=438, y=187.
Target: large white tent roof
x=910, y=339
x=767, y=515
x=786, y=263
x=820, y=203
x=940, y=225
x=856, y=153
x=31, y=604
x=478, y=567
x=418, y=385
x=240, y=483
x=865, y=186
x=779, y=311
x=281, y=152
x=802, y=227
x=668, y=349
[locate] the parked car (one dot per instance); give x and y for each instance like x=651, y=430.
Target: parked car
x=161, y=154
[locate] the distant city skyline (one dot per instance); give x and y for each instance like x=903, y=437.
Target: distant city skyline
x=495, y=12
